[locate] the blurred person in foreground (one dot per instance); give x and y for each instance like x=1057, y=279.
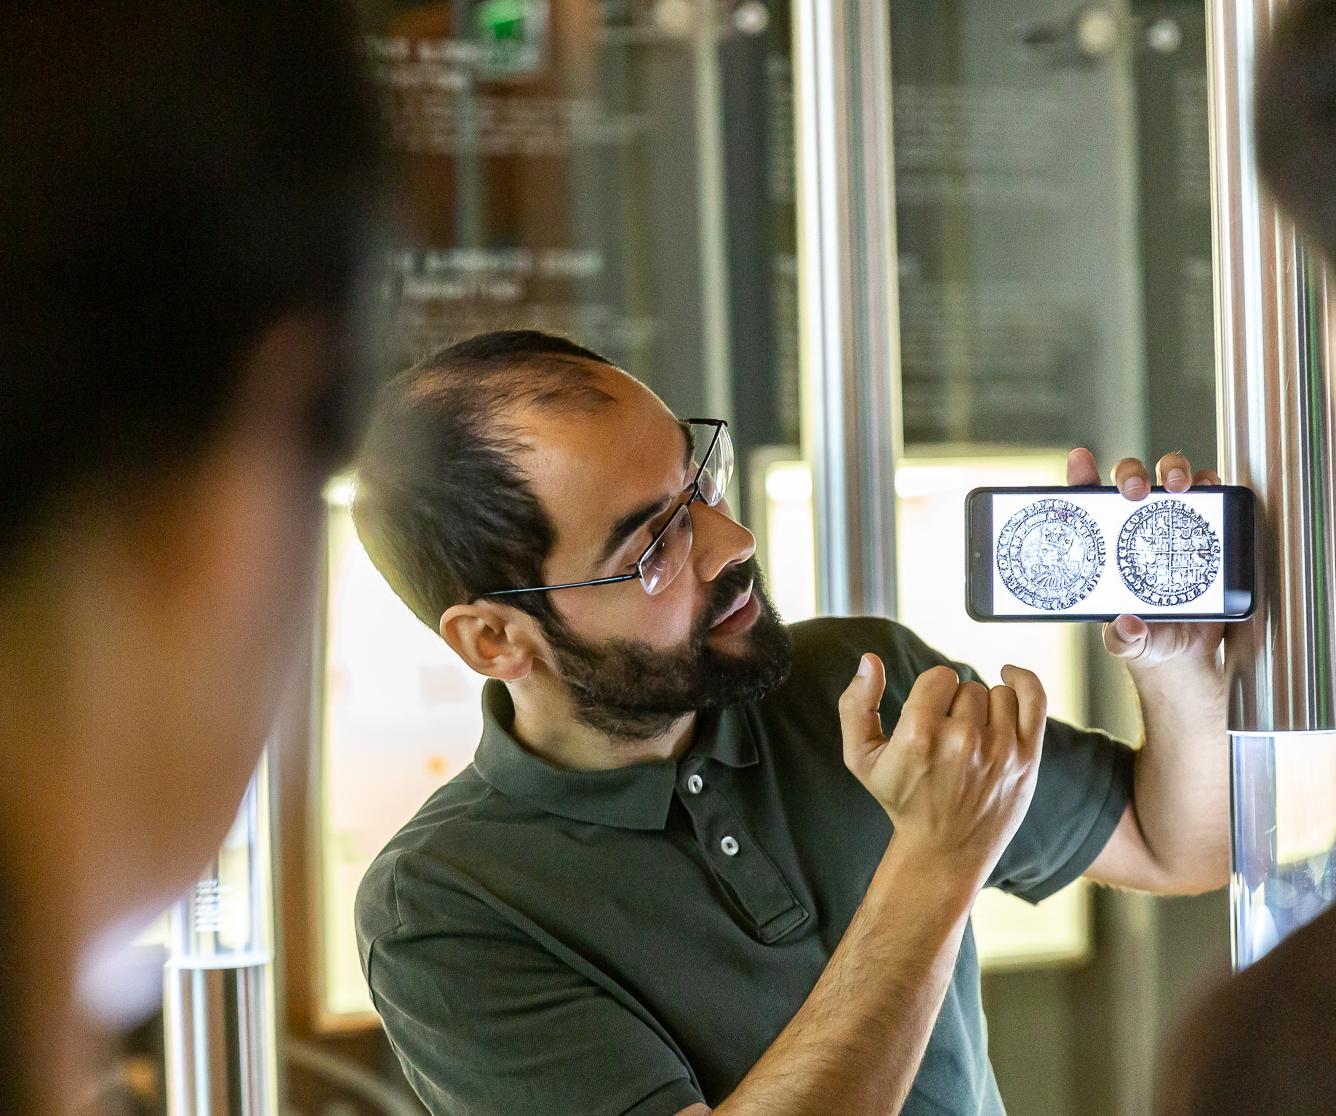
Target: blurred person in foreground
x=187, y=195
x=1264, y=1041
x=703, y=859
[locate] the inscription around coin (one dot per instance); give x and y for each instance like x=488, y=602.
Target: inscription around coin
x=1051, y=554
x=1168, y=554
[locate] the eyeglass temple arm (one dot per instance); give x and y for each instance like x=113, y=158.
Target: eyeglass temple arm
x=564, y=585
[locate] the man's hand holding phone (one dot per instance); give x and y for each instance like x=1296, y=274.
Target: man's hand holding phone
x=1130, y=638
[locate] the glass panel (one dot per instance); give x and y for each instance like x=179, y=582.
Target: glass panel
x=1284, y=837
x=1016, y=223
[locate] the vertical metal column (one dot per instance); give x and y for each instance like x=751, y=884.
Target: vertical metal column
x=1275, y=416
x=848, y=296
x=1276, y=436
x=710, y=174
x=220, y=1021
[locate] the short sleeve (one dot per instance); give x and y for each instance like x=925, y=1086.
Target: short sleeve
x=1083, y=787
x=486, y=1022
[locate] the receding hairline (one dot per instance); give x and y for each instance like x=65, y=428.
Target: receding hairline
x=434, y=379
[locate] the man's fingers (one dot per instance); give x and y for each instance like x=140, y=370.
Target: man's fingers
x=1131, y=478
x=1174, y=472
x=931, y=696
x=1127, y=637
x=1031, y=707
x=1206, y=476
x=860, y=723
x=1003, y=708
x=970, y=704
x=1081, y=467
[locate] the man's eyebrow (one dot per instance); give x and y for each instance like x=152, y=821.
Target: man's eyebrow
x=632, y=521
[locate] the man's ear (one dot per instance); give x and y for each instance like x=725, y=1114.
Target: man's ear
x=495, y=641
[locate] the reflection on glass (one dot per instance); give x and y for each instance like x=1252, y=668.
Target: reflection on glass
x=1284, y=811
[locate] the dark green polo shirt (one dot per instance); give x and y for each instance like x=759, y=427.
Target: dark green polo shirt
x=631, y=941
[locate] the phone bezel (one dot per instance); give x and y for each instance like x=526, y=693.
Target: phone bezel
x=1239, y=561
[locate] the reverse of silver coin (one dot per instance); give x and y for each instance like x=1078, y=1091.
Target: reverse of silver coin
x=1168, y=554
x=1050, y=554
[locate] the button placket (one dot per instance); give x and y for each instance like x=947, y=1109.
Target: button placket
x=735, y=857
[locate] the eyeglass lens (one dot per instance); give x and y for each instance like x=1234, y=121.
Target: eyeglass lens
x=718, y=469
x=667, y=557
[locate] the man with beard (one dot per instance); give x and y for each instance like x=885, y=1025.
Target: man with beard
x=663, y=887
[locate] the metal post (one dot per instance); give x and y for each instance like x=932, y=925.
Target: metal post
x=220, y=1023
x=1276, y=436
x=1275, y=404
x=848, y=296
x=714, y=287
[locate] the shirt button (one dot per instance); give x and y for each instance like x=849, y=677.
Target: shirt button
x=695, y=784
x=729, y=846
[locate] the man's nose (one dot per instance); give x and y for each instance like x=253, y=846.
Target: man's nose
x=720, y=540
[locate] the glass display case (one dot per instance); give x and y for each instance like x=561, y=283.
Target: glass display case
x=1284, y=809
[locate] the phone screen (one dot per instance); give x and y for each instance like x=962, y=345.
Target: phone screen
x=1098, y=553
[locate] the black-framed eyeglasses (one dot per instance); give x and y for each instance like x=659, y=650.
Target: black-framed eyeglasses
x=667, y=552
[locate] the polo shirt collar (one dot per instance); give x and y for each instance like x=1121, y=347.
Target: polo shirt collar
x=635, y=797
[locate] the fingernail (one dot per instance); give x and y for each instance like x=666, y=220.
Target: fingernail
x=1127, y=627
x=1135, y=489
x=1175, y=477
x=864, y=667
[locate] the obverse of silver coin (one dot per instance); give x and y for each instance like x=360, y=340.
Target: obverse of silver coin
x=1168, y=554
x=1051, y=554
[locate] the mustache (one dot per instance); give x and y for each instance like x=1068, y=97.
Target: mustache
x=727, y=586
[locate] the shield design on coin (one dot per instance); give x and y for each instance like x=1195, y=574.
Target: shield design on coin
x=1168, y=554
x=1050, y=554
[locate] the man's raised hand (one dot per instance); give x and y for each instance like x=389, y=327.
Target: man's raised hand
x=957, y=774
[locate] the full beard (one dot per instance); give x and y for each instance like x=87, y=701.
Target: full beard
x=633, y=691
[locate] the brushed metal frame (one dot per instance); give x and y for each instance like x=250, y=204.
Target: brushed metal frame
x=1274, y=403
x=848, y=296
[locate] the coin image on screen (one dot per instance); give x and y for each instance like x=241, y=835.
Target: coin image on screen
x=1050, y=554
x=1168, y=554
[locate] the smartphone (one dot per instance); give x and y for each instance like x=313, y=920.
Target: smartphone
x=1089, y=553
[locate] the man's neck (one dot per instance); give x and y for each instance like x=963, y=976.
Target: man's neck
x=546, y=726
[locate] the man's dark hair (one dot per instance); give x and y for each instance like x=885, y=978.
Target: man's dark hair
x=176, y=177
x=1296, y=117
x=441, y=505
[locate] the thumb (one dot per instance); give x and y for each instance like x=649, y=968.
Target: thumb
x=1127, y=638
x=860, y=723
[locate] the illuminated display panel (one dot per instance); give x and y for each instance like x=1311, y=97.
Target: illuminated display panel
x=400, y=716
